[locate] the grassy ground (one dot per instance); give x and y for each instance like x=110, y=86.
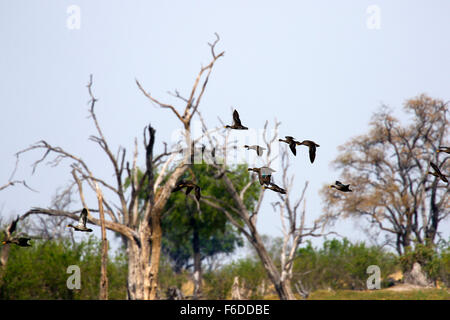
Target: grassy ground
x=383, y=294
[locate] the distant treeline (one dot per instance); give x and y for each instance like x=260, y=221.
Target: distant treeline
x=40, y=271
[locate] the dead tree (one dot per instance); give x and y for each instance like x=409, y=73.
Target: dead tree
x=388, y=167
x=279, y=278
x=103, y=272
x=293, y=222
x=247, y=223
x=12, y=182
x=4, y=253
x=138, y=223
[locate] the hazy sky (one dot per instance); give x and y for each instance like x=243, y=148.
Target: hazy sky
x=320, y=67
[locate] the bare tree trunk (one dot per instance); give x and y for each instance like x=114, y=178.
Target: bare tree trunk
x=236, y=290
x=3, y=261
x=283, y=290
x=151, y=278
x=103, y=273
x=139, y=225
x=134, y=276
x=197, y=261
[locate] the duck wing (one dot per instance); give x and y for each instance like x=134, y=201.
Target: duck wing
x=339, y=184
x=83, y=218
x=292, y=147
x=312, y=152
x=266, y=171
x=259, y=151
x=436, y=168
x=198, y=193
x=260, y=178
x=444, y=149
x=237, y=120
x=12, y=226
x=267, y=179
x=189, y=189
x=24, y=242
x=180, y=185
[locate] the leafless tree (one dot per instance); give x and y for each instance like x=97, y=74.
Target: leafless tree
x=248, y=219
x=12, y=181
x=52, y=227
x=293, y=222
x=138, y=225
x=388, y=169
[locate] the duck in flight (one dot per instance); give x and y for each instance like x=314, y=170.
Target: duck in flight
x=258, y=149
x=189, y=185
x=264, y=174
x=291, y=142
x=21, y=242
x=437, y=172
x=341, y=187
x=236, y=122
x=81, y=226
x=312, y=148
x=274, y=187
x=444, y=149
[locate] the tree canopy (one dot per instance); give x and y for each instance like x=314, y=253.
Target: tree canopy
x=388, y=169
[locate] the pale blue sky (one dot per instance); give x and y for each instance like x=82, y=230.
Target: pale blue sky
x=315, y=65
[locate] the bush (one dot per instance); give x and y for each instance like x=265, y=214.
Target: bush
x=434, y=260
x=40, y=271
x=251, y=274
x=340, y=265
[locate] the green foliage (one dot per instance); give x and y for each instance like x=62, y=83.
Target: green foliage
x=167, y=277
x=216, y=233
x=40, y=271
x=340, y=264
x=434, y=260
x=444, y=269
x=251, y=273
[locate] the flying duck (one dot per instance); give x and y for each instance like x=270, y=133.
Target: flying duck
x=291, y=142
x=312, y=148
x=236, y=122
x=264, y=174
x=189, y=185
x=437, y=172
x=274, y=187
x=21, y=242
x=259, y=150
x=81, y=226
x=341, y=187
x=444, y=149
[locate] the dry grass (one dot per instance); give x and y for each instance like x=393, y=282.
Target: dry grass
x=383, y=294
x=399, y=292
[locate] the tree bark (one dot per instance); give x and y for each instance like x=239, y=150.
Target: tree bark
x=3, y=261
x=103, y=272
x=197, y=259
x=282, y=288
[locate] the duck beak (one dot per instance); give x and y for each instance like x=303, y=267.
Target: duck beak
x=3, y=242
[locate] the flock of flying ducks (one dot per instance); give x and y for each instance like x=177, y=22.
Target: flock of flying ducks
x=264, y=177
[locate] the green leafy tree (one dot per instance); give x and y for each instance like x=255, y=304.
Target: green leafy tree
x=389, y=168
x=40, y=271
x=341, y=264
x=195, y=232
